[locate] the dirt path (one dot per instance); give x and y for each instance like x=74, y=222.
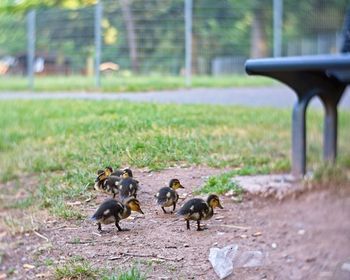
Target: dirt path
x=302, y=238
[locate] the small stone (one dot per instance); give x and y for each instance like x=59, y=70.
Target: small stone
x=258, y=233
x=229, y=193
x=186, y=245
x=28, y=266
x=301, y=231
x=310, y=259
x=219, y=217
x=74, y=203
x=274, y=245
x=236, y=198
x=43, y=275
x=346, y=266
x=215, y=244
x=243, y=236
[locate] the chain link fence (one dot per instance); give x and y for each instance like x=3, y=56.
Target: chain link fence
x=149, y=37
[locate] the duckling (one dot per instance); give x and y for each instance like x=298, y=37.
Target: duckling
x=197, y=209
x=128, y=187
x=106, y=183
x=168, y=196
x=103, y=174
x=112, y=211
x=125, y=173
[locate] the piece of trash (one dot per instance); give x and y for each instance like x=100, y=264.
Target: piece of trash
x=226, y=259
x=221, y=260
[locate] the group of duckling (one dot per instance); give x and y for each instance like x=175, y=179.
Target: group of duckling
x=123, y=184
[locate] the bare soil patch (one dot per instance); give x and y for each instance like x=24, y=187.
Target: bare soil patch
x=304, y=237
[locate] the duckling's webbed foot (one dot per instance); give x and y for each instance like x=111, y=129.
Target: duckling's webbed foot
x=199, y=226
x=99, y=228
x=118, y=226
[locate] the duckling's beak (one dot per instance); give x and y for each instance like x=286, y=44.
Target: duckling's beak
x=140, y=211
x=100, y=177
x=181, y=186
x=220, y=206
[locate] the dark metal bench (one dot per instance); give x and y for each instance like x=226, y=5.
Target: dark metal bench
x=325, y=76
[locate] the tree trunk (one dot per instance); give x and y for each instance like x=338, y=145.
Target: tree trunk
x=131, y=34
x=258, y=45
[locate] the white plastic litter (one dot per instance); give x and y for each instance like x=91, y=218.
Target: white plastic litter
x=222, y=260
x=226, y=259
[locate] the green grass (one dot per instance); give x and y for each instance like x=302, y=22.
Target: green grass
x=65, y=142
x=132, y=274
x=122, y=83
x=79, y=268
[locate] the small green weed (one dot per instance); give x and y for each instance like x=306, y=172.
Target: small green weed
x=330, y=175
x=132, y=274
x=223, y=183
x=22, y=203
x=77, y=268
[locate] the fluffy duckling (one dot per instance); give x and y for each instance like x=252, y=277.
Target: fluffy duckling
x=125, y=173
x=107, y=183
x=112, y=211
x=197, y=209
x=103, y=174
x=128, y=187
x=168, y=196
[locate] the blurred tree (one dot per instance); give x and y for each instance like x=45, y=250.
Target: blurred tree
x=131, y=33
x=25, y=5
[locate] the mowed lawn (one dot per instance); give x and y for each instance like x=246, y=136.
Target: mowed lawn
x=123, y=83
x=65, y=142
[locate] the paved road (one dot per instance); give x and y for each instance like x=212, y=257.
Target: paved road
x=277, y=96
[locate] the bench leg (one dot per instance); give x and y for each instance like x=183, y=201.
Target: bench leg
x=299, y=137
x=330, y=133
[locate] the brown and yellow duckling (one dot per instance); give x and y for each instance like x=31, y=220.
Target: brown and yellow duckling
x=196, y=209
x=125, y=173
x=107, y=183
x=112, y=211
x=168, y=196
